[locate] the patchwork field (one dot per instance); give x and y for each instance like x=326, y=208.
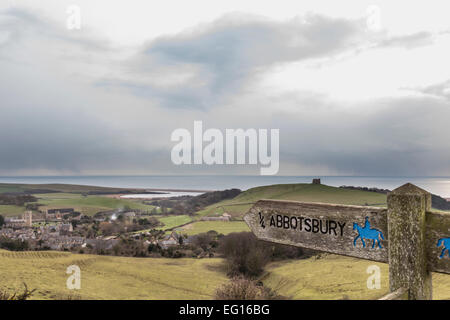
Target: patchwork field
x=88, y=204
x=173, y=221
x=71, y=196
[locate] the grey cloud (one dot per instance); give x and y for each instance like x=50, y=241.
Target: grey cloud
x=441, y=90
x=47, y=122
x=409, y=41
x=226, y=54
x=406, y=136
x=19, y=24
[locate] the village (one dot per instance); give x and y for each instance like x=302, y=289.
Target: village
x=68, y=230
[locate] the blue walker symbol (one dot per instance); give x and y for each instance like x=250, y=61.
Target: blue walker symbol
x=367, y=233
x=446, y=242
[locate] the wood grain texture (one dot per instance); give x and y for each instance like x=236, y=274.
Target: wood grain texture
x=399, y=294
x=407, y=207
x=438, y=227
x=330, y=226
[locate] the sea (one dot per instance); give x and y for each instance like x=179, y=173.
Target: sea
x=436, y=185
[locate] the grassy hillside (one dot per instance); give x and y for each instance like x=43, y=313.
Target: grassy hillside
x=71, y=196
x=88, y=204
x=173, y=221
x=297, y=192
x=71, y=188
x=10, y=210
x=104, y=277
x=336, y=277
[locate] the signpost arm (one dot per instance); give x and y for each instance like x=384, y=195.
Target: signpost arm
x=407, y=206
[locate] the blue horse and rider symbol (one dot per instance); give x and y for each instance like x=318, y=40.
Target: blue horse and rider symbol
x=446, y=243
x=368, y=233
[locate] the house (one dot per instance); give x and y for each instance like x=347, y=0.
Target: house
x=65, y=229
x=165, y=244
x=102, y=243
x=170, y=240
x=57, y=242
x=129, y=214
x=25, y=222
x=223, y=217
x=58, y=214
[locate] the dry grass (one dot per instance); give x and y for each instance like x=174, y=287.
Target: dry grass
x=104, y=277
x=336, y=277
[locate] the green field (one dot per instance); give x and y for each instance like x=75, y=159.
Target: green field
x=173, y=221
x=9, y=210
x=238, y=206
x=88, y=204
x=219, y=226
x=105, y=277
x=71, y=196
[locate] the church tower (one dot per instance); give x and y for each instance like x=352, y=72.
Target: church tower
x=28, y=217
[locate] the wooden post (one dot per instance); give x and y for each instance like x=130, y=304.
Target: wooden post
x=407, y=207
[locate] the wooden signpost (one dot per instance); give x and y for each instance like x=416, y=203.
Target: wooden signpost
x=407, y=235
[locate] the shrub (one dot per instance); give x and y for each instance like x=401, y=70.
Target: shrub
x=244, y=254
x=244, y=289
x=4, y=295
x=13, y=244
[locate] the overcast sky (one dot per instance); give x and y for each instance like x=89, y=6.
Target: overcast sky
x=351, y=95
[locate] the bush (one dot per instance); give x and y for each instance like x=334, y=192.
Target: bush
x=16, y=199
x=283, y=252
x=17, y=296
x=203, y=240
x=244, y=289
x=13, y=245
x=245, y=254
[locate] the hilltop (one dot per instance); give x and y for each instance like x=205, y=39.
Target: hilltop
x=15, y=188
x=239, y=205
